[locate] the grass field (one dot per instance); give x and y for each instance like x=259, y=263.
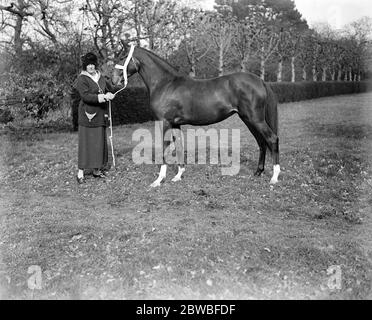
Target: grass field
x=206, y=237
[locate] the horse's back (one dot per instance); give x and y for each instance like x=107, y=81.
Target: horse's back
x=205, y=101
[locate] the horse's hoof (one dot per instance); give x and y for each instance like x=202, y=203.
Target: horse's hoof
x=155, y=184
x=273, y=181
x=274, y=178
x=258, y=173
x=176, y=179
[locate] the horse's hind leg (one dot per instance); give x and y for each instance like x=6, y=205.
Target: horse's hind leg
x=261, y=144
x=272, y=142
x=261, y=160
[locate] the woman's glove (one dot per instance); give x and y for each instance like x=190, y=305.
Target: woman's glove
x=109, y=96
x=101, y=98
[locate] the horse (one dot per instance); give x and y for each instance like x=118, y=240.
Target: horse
x=178, y=99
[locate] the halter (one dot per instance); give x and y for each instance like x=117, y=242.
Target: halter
x=125, y=67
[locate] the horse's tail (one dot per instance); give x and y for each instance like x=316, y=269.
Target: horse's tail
x=271, y=109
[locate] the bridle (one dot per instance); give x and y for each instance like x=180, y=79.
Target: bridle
x=125, y=66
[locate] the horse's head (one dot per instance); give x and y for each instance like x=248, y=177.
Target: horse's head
x=107, y=69
x=132, y=66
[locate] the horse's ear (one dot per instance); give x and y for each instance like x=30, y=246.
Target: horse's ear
x=125, y=43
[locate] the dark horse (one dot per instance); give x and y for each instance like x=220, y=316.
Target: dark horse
x=178, y=100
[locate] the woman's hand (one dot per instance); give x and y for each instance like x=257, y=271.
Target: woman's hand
x=109, y=96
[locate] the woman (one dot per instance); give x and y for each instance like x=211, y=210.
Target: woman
x=93, y=118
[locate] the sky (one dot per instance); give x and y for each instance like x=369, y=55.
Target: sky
x=335, y=12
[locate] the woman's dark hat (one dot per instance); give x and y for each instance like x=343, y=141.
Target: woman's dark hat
x=89, y=58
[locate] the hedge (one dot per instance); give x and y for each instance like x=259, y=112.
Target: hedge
x=297, y=91
x=132, y=104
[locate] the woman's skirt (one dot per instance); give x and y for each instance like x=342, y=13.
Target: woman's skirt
x=93, y=150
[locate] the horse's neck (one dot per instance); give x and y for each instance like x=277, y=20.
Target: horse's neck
x=154, y=71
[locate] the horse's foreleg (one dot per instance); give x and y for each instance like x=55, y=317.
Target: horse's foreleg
x=178, y=142
x=161, y=177
x=163, y=168
x=179, y=174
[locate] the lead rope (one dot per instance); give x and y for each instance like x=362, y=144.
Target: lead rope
x=124, y=68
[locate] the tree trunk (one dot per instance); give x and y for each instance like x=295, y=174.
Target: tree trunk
x=137, y=24
x=333, y=75
x=220, y=63
x=263, y=69
x=314, y=73
x=243, y=64
x=324, y=75
x=17, y=36
x=304, y=73
x=350, y=76
x=280, y=71
x=151, y=41
x=293, y=69
x=339, y=75
x=192, y=72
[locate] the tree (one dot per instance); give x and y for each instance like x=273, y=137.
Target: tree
x=220, y=27
x=105, y=21
x=244, y=37
x=247, y=24
x=153, y=23
x=267, y=44
x=289, y=21
x=191, y=28
x=272, y=23
x=19, y=12
x=360, y=31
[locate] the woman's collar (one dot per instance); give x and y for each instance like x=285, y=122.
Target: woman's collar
x=94, y=78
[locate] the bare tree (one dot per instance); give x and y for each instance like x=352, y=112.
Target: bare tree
x=244, y=39
x=267, y=42
x=19, y=12
x=305, y=54
x=283, y=48
x=360, y=32
x=106, y=22
x=153, y=23
x=191, y=29
x=221, y=31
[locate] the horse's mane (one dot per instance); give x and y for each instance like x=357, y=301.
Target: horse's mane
x=165, y=63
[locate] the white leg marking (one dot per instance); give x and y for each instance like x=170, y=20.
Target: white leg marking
x=162, y=175
x=179, y=174
x=80, y=174
x=276, y=170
